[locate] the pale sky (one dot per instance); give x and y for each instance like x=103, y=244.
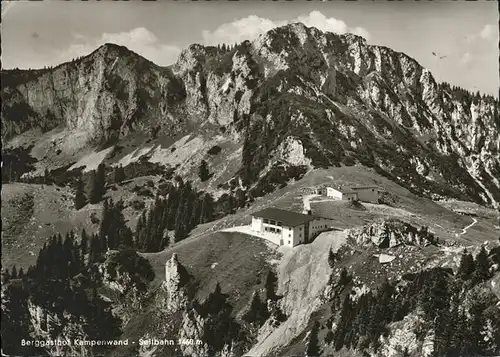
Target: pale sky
x=36, y=34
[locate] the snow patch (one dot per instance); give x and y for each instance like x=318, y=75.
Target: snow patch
x=184, y=151
x=134, y=156
x=385, y=258
x=91, y=161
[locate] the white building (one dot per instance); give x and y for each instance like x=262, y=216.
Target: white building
x=288, y=228
x=342, y=193
x=366, y=193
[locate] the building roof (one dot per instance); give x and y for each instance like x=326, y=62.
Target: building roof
x=465, y=211
x=362, y=187
x=288, y=218
x=343, y=189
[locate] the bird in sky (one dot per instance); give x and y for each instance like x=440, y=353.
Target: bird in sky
x=440, y=57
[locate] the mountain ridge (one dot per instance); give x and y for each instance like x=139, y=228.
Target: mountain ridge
x=333, y=97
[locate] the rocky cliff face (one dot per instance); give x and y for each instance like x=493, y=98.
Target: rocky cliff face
x=62, y=329
x=101, y=96
x=390, y=234
x=173, y=316
x=322, y=99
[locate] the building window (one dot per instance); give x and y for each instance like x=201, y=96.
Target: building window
x=289, y=242
x=289, y=235
x=266, y=220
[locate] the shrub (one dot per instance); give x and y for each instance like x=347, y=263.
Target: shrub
x=137, y=205
x=214, y=150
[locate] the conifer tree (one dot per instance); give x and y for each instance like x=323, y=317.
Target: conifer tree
x=230, y=204
x=344, y=278
x=180, y=232
x=15, y=319
x=13, y=274
x=312, y=347
x=173, y=204
x=165, y=242
x=466, y=267
x=47, y=180
x=118, y=174
x=195, y=217
x=180, y=229
x=127, y=237
x=206, y=208
x=84, y=244
x=95, y=250
x=477, y=328
x=482, y=266
x=139, y=229
x=98, y=184
x=240, y=198
x=203, y=171
x=344, y=323
x=189, y=210
x=80, y=198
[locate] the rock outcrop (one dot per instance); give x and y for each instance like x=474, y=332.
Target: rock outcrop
x=60, y=331
x=391, y=233
x=174, y=295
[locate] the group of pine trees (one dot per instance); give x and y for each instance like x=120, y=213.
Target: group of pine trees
x=225, y=48
x=113, y=231
x=467, y=96
x=53, y=285
x=96, y=191
x=64, y=258
x=179, y=212
x=49, y=284
x=438, y=293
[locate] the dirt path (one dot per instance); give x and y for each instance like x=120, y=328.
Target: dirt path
x=307, y=201
x=469, y=226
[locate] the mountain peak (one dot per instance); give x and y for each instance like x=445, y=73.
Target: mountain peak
x=112, y=49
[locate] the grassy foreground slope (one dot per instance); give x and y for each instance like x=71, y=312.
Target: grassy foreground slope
x=32, y=213
x=238, y=262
